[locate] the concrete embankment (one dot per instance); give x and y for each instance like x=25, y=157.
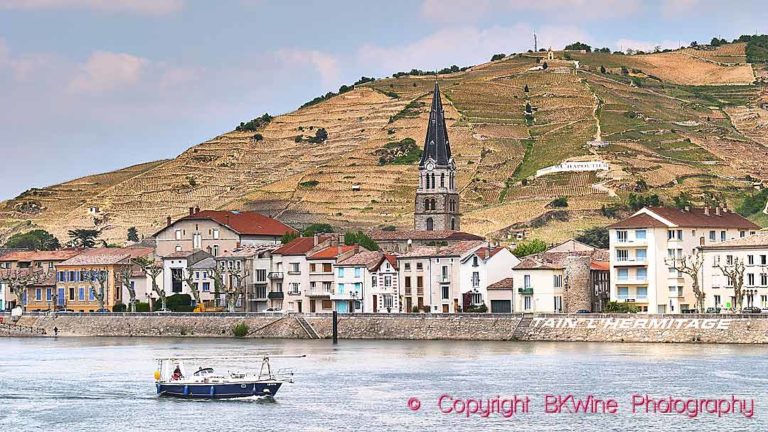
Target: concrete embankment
x=540, y=327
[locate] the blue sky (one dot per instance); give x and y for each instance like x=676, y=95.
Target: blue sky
x=89, y=86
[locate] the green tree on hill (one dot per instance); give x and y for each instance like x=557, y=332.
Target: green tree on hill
x=133, y=234
x=578, y=46
x=85, y=238
x=529, y=248
x=360, y=238
x=38, y=239
x=317, y=228
x=595, y=237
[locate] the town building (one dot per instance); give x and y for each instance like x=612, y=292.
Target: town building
x=373, y=275
x=574, y=166
x=42, y=262
x=400, y=241
x=249, y=266
x=215, y=231
x=747, y=257
x=77, y=279
x=558, y=279
x=437, y=197
x=645, y=247
x=430, y=277
x=481, y=268
x=176, y=269
x=501, y=295
x=325, y=293
x=290, y=271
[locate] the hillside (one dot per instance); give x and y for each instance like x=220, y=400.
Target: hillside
x=685, y=120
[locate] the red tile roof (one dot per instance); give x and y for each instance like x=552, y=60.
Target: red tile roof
x=107, y=256
x=243, y=223
x=454, y=250
x=600, y=265
x=485, y=253
x=331, y=252
x=693, y=218
x=370, y=259
x=504, y=284
x=549, y=260
x=57, y=255
x=300, y=245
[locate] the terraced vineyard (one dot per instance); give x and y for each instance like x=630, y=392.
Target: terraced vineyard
x=671, y=121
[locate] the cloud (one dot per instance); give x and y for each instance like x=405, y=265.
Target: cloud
x=107, y=71
x=647, y=46
x=326, y=65
x=142, y=7
x=675, y=8
x=455, y=11
x=464, y=46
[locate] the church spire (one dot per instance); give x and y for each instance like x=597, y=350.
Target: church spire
x=436, y=145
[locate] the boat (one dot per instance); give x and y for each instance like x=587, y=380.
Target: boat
x=182, y=378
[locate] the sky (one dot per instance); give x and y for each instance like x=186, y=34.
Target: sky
x=89, y=86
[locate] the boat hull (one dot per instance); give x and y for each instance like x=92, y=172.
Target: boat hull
x=218, y=391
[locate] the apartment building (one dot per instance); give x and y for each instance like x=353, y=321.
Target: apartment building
x=251, y=265
x=484, y=266
x=430, y=277
x=43, y=295
x=325, y=293
x=368, y=281
x=750, y=254
x=215, y=231
x=558, y=279
x=290, y=272
x=644, y=247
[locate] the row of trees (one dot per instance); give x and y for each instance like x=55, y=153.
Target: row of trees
x=40, y=239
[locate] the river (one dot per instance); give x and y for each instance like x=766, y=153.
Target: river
x=105, y=384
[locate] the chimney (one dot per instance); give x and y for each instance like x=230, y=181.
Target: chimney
x=167, y=221
x=191, y=211
x=687, y=209
x=706, y=210
x=409, y=245
x=197, y=209
x=316, y=238
x=338, y=250
x=717, y=211
x=357, y=248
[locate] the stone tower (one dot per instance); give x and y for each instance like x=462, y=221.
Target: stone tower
x=437, y=201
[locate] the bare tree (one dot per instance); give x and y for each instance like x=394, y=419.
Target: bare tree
x=691, y=266
x=234, y=289
x=217, y=274
x=189, y=279
x=18, y=280
x=100, y=277
x=153, y=270
x=124, y=276
x=735, y=274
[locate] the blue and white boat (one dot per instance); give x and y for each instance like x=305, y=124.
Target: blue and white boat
x=179, y=377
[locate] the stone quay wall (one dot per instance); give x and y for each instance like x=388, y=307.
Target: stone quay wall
x=679, y=328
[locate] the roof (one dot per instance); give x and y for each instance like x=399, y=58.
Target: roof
x=436, y=145
x=600, y=266
x=57, y=255
x=300, y=245
x=331, y=252
x=454, y=250
x=106, y=256
x=758, y=240
x=381, y=235
x=369, y=259
x=485, y=253
x=243, y=223
x=504, y=284
x=701, y=217
x=247, y=251
x=554, y=257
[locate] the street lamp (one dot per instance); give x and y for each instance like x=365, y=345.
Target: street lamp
x=149, y=300
x=353, y=294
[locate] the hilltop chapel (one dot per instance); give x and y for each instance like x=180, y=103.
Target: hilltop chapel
x=437, y=200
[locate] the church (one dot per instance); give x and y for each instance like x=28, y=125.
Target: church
x=437, y=200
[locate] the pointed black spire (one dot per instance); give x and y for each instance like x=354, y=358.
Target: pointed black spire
x=436, y=145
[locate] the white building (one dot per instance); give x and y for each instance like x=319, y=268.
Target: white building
x=483, y=267
x=372, y=277
x=642, y=246
x=539, y=280
x=574, y=166
x=752, y=253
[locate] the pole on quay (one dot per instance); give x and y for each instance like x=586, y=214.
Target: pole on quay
x=335, y=328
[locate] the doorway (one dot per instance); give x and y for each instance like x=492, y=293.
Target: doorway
x=375, y=305
x=298, y=306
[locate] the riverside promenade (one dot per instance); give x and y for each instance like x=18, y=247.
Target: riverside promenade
x=678, y=328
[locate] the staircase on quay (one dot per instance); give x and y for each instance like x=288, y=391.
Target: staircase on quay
x=308, y=329
x=9, y=329
x=522, y=327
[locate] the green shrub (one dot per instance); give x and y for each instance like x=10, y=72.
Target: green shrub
x=616, y=307
x=179, y=303
x=119, y=307
x=477, y=309
x=309, y=183
x=497, y=57
x=142, y=307
x=298, y=139
x=415, y=309
x=258, y=137
x=240, y=330
x=560, y=202
x=753, y=203
x=254, y=124
x=360, y=238
x=529, y=247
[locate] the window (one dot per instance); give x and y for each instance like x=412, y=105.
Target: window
x=527, y=303
x=641, y=255
x=340, y=272
x=622, y=255
x=81, y=294
x=640, y=234
x=357, y=272
x=722, y=236
x=327, y=286
x=388, y=281
x=48, y=294
x=327, y=268
x=419, y=266
x=763, y=260
x=215, y=251
x=91, y=295
x=623, y=293
x=261, y=275
x=445, y=273
x=388, y=303
x=295, y=268
x=72, y=294
x=419, y=282
x=621, y=236
x=215, y=233
x=178, y=234
x=675, y=291
x=358, y=288
x=642, y=274
x=763, y=279
x=712, y=236
x=729, y=260
x=38, y=294
x=313, y=268
x=558, y=281
x=340, y=288
x=750, y=260
x=475, y=279
x=408, y=283
x=750, y=279
x=294, y=288
x=474, y=261
x=623, y=274
x=407, y=266
x=206, y=286
x=446, y=292
x=527, y=281
x=477, y=298
x=717, y=300
x=642, y=292
x=742, y=234
x=373, y=281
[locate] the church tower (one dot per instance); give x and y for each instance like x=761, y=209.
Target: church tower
x=437, y=201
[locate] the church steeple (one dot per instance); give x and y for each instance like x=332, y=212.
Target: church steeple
x=437, y=197
x=436, y=144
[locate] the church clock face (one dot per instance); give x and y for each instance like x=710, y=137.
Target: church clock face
x=430, y=166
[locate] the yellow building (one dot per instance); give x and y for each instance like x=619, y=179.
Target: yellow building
x=31, y=265
x=77, y=279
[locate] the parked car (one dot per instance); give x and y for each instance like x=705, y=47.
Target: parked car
x=715, y=310
x=751, y=309
x=583, y=311
x=764, y=310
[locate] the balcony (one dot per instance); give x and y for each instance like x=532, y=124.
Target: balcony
x=420, y=291
x=294, y=293
x=344, y=296
x=318, y=292
x=275, y=275
x=632, y=281
x=525, y=291
x=628, y=262
x=276, y=295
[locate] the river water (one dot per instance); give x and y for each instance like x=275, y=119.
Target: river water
x=105, y=384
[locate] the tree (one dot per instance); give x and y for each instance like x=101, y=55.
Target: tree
x=133, y=234
x=735, y=274
x=153, y=270
x=529, y=248
x=595, y=237
x=525, y=89
x=602, y=69
x=289, y=237
x=234, y=289
x=85, y=238
x=124, y=276
x=691, y=266
x=18, y=280
x=560, y=202
x=360, y=238
x=715, y=42
x=578, y=46
x=100, y=277
x=320, y=136
x=217, y=274
x=694, y=44
x=544, y=65
x=38, y=239
x=636, y=201
x=317, y=228
x=528, y=109
x=683, y=200
x=497, y=57
x=188, y=277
